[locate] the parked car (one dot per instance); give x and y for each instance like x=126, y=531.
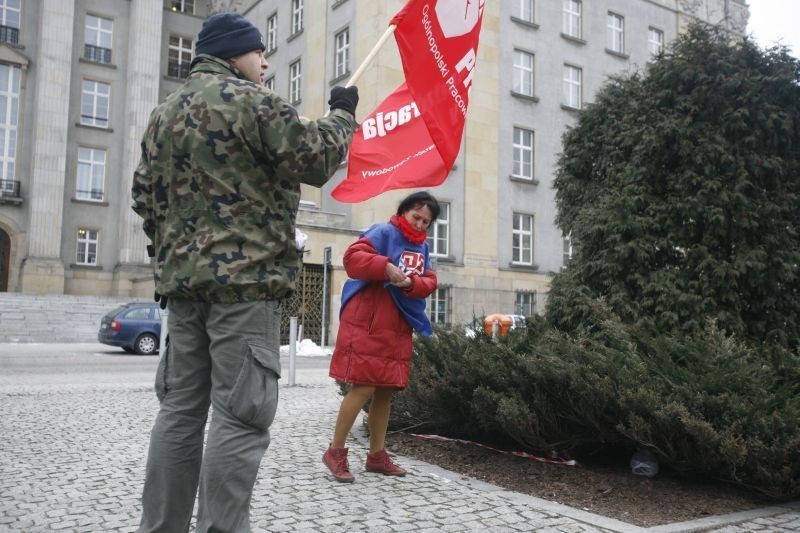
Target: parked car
x=134, y=327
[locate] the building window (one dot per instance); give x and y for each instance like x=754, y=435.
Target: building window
x=440, y=305
x=342, y=53
x=272, y=33
x=94, y=103
x=522, y=240
x=572, y=18
x=179, y=60
x=523, y=73
x=439, y=232
x=297, y=16
x=9, y=117
x=295, y=82
x=523, y=154
x=97, y=45
x=270, y=83
x=91, y=174
x=616, y=33
x=572, y=86
x=523, y=10
x=655, y=41
x=180, y=6
x=525, y=304
x=567, y=255
x=87, y=247
x=9, y=21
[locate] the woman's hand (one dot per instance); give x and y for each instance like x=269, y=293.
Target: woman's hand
x=396, y=276
x=405, y=284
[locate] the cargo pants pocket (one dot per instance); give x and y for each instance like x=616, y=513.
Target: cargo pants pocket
x=254, y=397
x=161, y=375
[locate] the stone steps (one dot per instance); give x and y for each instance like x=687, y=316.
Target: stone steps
x=53, y=317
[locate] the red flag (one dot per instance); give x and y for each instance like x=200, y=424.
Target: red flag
x=438, y=42
x=392, y=149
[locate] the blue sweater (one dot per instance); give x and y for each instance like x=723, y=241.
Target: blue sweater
x=411, y=258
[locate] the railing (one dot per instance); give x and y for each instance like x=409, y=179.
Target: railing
x=9, y=35
x=93, y=194
x=9, y=189
x=178, y=70
x=97, y=53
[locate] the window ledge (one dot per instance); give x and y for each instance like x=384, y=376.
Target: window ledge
x=526, y=268
x=524, y=22
x=523, y=96
x=336, y=80
x=573, y=39
x=12, y=45
x=10, y=200
x=97, y=128
x=270, y=53
x=520, y=179
x=620, y=55
x=571, y=109
x=443, y=258
x=296, y=102
x=78, y=266
x=295, y=35
x=102, y=203
x=337, y=3
x=98, y=63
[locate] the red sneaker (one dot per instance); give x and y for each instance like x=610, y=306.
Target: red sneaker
x=336, y=461
x=381, y=463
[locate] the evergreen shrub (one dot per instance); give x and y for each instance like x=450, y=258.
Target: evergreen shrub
x=705, y=404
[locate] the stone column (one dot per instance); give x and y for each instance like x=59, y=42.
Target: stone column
x=142, y=74
x=43, y=269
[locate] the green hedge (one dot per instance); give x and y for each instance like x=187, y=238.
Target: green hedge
x=706, y=404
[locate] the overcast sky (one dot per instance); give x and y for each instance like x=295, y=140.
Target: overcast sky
x=775, y=20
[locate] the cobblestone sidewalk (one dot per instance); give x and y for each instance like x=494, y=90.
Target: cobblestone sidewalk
x=73, y=459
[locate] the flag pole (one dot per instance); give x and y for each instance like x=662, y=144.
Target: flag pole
x=370, y=56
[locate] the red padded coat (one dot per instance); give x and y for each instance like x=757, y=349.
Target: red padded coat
x=374, y=345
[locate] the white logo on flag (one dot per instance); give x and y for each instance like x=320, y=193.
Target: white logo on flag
x=458, y=17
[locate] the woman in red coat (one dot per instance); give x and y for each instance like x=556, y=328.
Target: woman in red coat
x=382, y=303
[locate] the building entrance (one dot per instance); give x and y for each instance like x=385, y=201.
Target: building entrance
x=306, y=304
x=5, y=264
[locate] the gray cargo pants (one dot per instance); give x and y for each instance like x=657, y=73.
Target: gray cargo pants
x=226, y=355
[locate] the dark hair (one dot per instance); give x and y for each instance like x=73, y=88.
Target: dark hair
x=421, y=198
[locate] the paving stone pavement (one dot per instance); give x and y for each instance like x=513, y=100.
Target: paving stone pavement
x=72, y=459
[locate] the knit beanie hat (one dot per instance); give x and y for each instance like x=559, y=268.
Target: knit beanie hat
x=227, y=35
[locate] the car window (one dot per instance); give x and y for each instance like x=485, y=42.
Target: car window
x=162, y=312
x=117, y=311
x=140, y=313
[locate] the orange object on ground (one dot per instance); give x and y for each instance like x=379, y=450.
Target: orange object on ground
x=504, y=323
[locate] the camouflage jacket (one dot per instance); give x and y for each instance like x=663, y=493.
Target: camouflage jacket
x=218, y=185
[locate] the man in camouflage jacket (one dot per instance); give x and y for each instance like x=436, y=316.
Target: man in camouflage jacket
x=218, y=187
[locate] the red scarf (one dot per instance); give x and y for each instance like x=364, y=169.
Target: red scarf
x=409, y=232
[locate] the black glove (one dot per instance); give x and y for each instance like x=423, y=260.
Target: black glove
x=344, y=98
x=161, y=299
x=151, y=251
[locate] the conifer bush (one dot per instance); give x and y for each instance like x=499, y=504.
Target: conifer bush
x=676, y=325
x=705, y=404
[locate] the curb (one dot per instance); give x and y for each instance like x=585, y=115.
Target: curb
x=359, y=432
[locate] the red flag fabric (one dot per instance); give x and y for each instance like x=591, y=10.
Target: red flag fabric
x=392, y=149
x=413, y=137
x=438, y=43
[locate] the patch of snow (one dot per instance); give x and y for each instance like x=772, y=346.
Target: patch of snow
x=307, y=348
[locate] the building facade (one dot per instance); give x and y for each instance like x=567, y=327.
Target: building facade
x=79, y=78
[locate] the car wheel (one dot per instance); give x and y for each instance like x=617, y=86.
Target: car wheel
x=146, y=344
